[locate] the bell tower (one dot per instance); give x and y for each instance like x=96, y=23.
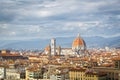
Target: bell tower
x=53, y=46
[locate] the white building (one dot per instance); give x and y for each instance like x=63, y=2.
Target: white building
x=2, y=73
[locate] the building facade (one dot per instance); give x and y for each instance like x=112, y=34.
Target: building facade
x=84, y=74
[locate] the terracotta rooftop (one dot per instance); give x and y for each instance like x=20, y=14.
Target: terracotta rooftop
x=99, y=74
x=77, y=69
x=116, y=58
x=9, y=54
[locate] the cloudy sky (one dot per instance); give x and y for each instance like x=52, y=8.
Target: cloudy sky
x=31, y=19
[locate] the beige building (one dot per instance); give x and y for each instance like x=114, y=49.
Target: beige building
x=84, y=74
x=113, y=73
x=76, y=74
x=12, y=74
x=95, y=76
x=4, y=51
x=33, y=73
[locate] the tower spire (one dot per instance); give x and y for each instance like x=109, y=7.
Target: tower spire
x=78, y=35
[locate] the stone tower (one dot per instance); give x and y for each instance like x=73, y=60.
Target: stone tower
x=53, y=46
x=59, y=50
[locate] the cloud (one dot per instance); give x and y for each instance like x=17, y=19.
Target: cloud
x=56, y=18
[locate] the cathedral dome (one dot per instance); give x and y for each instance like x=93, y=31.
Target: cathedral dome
x=47, y=48
x=78, y=44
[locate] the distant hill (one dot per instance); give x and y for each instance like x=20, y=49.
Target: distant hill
x=91, y=42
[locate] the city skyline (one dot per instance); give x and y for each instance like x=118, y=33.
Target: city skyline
x=45, y=19
x=59, y=40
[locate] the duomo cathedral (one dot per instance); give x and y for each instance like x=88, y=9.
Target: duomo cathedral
x=78, y=47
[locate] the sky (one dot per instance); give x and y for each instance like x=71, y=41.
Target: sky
x=31, y=19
